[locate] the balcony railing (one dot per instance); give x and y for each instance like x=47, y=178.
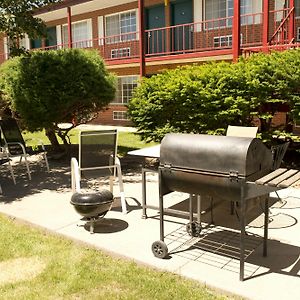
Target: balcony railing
x=185, y=39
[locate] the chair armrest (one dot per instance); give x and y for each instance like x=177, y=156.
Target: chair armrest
x=7, y=146
x=39, y=141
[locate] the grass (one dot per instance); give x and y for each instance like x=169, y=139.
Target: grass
x=62, y=269
x=127, y=141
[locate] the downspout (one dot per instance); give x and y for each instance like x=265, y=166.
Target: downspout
x=141, y=37
x=291, y=35
x=265, y=38
x=70, y=44
x=236, y=31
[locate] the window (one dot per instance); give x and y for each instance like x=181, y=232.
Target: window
x=125, y=88
x=223, y=41
x=298, y=34
x=120, y=115
x=246, y=9
x=218, y=9
x=118, y=27
x=81, y=34
x=122, y=52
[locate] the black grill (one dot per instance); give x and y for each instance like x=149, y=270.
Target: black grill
x=231, y=168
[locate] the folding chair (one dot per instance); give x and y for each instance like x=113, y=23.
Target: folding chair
x=3, y=160
x=241, y=131
x=15, y=146
x=98, y=157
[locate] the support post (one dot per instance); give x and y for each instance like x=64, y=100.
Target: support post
x=70, y=43
x=141, y=37
x=265, y=38
x=236, y=31
x=291, y=35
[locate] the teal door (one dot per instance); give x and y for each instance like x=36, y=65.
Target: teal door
x=51, y=37
x=155, y=18
x=182, y=36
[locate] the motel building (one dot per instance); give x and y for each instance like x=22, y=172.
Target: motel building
x=144, y=37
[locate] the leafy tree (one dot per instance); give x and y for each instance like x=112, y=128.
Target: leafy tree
x=45, y=88
x=16, y=20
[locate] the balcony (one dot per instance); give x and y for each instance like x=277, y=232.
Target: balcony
x=200, y=39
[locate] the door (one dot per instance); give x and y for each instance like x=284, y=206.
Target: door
x=182, y=36
x=51, y=37
x=155, y=39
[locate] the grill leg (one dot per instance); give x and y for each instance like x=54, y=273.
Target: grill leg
x=144, y=213
x=266, y=225
x=242, y=238
x=199, y=209
x=161, y=208
x=191, y=208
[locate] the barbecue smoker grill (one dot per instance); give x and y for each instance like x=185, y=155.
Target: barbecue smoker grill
x=222, y=166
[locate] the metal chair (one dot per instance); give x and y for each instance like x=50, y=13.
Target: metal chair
x=278, y=152
x=3, y=160
x=15, y=146
x=242, y=131
x=98, y=157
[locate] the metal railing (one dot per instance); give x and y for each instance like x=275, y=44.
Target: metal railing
x=197, y=37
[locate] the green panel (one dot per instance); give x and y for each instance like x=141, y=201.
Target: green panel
x=51, y=37
x=155, y=18
x=37, y=43
x=182, y=13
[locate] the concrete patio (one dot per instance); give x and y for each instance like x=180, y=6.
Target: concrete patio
x=45, y=202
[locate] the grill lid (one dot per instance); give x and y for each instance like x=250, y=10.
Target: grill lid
x=234, y=156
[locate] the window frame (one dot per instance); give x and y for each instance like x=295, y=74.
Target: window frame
x=122, y=102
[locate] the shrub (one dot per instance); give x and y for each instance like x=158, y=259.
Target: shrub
x=209, y=97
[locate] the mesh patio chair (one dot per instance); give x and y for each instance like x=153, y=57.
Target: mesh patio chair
x=278, y=152
x=242, y=131
x=4, y=159
x=15, y=146
x=98, y=157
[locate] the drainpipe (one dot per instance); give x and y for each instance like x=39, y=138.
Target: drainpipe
x=141, y=37
x=265, y=37
x=70, y=44
x=236, y=31
x=291, y=34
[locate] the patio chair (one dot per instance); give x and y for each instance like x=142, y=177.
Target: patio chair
x=98, y=157
x=242, y=131
x=278, y=152
x=4, y=159
x=15, y=146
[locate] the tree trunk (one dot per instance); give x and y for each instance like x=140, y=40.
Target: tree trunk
x=50, y=133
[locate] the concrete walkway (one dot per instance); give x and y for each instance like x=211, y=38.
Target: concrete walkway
x=45, y=202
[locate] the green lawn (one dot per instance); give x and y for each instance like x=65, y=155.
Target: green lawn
x=126, y=140
x=46, y=266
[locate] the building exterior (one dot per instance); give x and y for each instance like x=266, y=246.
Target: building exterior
x=141, y=38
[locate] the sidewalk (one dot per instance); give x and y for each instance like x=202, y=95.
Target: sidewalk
x=45, y=202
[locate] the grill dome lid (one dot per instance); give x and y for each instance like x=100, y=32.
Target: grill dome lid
x=247, y=157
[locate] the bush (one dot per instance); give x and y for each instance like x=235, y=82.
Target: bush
x=207, y=98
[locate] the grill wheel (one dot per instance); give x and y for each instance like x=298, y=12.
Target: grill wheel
x=159, y=249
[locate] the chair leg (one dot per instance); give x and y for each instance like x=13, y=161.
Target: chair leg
x=27, y=167
x=122, y=194
x=46, y=161
x=12, y=172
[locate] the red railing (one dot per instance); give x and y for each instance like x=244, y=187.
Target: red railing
x=209, y=35
x=280, y=21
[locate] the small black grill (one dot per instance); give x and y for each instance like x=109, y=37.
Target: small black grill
x=230, y=168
